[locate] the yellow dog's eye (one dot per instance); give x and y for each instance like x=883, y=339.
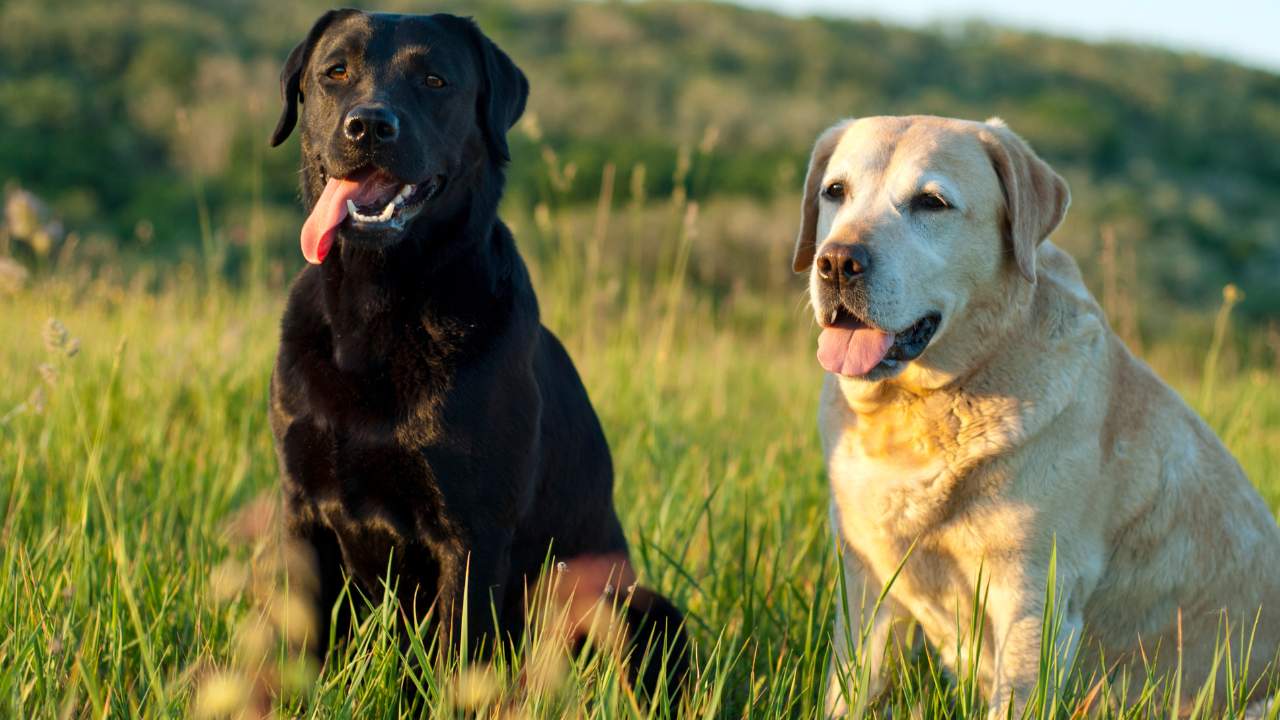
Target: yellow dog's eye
x=929, y=201
x=337, y=72
x=435, y=82
x=834, y=191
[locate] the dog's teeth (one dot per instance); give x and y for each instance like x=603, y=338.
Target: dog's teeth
x=402, y=196
x=833, y=312
x=388, y=210
x=361, y=217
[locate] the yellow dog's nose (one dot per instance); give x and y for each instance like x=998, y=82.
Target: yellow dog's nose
x=842, y=263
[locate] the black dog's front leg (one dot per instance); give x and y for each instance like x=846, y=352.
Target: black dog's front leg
x=331, y=620
x=473, y=576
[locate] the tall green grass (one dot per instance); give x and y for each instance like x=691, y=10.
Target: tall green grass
x=133, y=435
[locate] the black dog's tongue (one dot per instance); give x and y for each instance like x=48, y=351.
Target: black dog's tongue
x=367, y=188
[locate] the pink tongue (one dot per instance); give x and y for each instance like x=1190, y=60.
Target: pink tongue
x=852, y=352
x=329, y=212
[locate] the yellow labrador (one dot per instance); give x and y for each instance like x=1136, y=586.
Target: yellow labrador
x=980, y=420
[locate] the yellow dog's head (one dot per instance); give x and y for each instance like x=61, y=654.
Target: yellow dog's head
x=919, y=235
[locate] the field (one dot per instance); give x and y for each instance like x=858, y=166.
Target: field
x=653, y=192
x=133, y=435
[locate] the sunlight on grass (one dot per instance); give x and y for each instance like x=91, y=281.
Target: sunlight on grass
x=133, y=435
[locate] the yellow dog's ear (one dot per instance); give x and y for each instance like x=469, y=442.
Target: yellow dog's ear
x=1035, y=197
x=806, y=241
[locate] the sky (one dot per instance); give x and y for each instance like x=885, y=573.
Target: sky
x=1246, y=31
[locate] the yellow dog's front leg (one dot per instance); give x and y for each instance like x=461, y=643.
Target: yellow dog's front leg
x=1024, y=674
x=865, y=627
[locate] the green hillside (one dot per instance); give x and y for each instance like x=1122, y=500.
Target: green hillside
x=128, y=116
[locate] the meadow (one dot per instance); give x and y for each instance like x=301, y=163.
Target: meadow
x=133, y=436
x=653, y=193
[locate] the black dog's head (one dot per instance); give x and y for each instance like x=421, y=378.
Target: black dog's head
x=403, y=120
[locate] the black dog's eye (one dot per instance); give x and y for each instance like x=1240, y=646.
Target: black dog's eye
x=435, y=82
x=929, y=202
x=834, y=191
x=337, y=72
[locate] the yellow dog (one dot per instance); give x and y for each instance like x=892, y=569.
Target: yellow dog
x=979, y=412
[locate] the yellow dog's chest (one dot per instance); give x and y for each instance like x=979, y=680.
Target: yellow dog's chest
x=903, y=466
x=924, y=477
x=879, y=490
x=904, y=502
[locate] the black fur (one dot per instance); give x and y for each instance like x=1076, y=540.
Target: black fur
x=424, y=418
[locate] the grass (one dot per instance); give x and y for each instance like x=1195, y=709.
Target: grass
x=133, y=434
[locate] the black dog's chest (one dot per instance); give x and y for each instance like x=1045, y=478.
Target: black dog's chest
x=379, y=481
x=381, y=501
x=358, y=451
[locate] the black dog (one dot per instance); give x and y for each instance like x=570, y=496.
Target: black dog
x=425, y=420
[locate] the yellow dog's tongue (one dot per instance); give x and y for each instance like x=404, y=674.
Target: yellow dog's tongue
x=852, y=352
x=329, y=212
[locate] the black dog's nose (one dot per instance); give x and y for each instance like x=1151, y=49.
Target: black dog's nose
x=840, y=263
x=374, y=124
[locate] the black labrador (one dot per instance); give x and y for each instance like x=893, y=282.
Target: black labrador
x=425, y=421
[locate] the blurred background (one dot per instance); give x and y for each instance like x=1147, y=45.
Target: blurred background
x=134, y=133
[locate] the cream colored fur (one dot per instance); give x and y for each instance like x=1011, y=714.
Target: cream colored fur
x=1025, y=426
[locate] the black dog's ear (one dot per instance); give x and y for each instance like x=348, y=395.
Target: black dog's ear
x=503, y=93
x=291, y=75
